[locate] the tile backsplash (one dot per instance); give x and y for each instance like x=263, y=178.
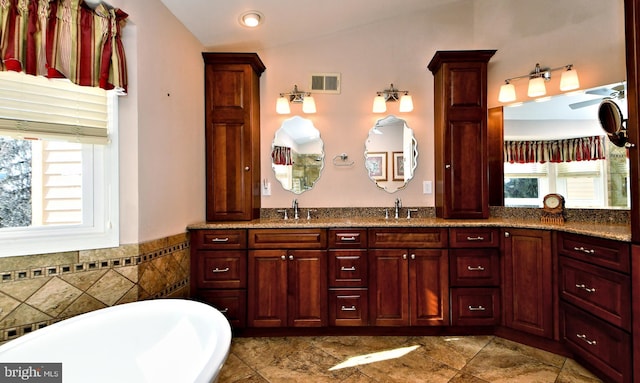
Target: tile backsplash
x=38, y=290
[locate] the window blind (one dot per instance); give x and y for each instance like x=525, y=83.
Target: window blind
x=35, y=107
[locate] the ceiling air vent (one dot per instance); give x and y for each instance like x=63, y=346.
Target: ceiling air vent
x=325, y=83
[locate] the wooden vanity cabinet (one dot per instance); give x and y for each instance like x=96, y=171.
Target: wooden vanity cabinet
x=528, y=282
x=348, y=277
x=408, y=277
x=474, y=276
x=219, y=271
x=595, y=304
x=460, y=133
x=287, y=278
x=232, y=135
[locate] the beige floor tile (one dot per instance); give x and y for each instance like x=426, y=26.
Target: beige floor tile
x=468, y=359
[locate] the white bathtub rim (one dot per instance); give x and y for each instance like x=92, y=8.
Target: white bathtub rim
x=209, y=368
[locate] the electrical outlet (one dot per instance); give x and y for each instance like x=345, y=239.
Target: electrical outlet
x=266, y=188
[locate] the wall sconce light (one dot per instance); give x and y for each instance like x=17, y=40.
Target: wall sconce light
x=298, y=97
x=391, y=95
x=537, y=79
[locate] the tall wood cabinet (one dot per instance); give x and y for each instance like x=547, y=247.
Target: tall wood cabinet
x=460, y=125
x=232, y=134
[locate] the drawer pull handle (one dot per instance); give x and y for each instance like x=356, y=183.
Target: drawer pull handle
x=477, y=308
x=352, y=308
x=217, y=270
x=348, y=239
x=471, y=268
x=586, y=340
x=585, y=288
x=478, y=238
x=586, y=251
x=224, y=310
x=352, y=268
x=220, y=239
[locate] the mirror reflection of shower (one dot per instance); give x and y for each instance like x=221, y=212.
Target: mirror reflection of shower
x=297, y=155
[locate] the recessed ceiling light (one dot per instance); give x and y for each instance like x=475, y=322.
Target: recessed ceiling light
x=251, y=19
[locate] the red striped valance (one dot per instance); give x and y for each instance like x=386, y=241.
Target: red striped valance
x=281, y=155
x=64, y=38
x=567, y=150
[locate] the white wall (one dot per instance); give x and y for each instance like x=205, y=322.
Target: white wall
x=161, y=126
x=162, y=118
x=586, y=33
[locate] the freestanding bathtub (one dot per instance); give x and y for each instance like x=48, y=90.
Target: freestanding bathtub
x=155, y=341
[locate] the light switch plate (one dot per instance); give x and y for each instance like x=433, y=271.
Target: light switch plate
x=427, y=187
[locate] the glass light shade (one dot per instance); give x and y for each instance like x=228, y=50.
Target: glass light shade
x=379, y=104
x=406, y=103
x=569, y=80
x=308, y=105
x=251, y=19
x=536, y=87
x=507, y=93
x=282, y=105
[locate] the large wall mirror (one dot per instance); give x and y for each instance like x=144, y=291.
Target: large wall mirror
x=559, y=146
x=391, y=154
x=297, y=155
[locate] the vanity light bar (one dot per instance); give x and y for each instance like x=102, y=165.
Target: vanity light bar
x=537, y=78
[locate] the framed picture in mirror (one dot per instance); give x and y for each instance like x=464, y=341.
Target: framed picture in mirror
x=376, y=164
x=398, y=166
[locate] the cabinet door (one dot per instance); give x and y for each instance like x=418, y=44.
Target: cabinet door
x=429, y=287
x=528, y=282
x=267, y=288
x=389, y=287
x=307, y=290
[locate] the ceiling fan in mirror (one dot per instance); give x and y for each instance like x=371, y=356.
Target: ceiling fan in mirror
x=616, y=93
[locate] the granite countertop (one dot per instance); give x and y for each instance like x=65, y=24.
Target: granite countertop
x=615, y=231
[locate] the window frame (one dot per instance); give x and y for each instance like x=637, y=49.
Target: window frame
x=103, y=230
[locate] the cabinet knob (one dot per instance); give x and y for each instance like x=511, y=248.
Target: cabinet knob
x=291, y=257
x=506, y=234
x=447, y=166
x=413, y=256
x=404, y=256
x=283, y=257
x=246, y=168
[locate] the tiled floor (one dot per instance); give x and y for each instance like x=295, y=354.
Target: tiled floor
x=469, y=359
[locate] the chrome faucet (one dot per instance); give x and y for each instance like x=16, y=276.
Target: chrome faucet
x=296, y=211
x=398, y=206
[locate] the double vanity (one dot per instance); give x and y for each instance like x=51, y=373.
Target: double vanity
x=563, y=288
x=455, y=268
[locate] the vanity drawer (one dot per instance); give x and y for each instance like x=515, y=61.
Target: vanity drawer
x=475, y=306
x=231, y=303
x=348, y=268
x=602, y=292
x=408, y=237
x=605, y=347
x=474, y=267
x=222, y=269
x=219, y=239
x=474, y=237
x=349, y=307
x=348, y=238
x=599, y=251
x=287, y=238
